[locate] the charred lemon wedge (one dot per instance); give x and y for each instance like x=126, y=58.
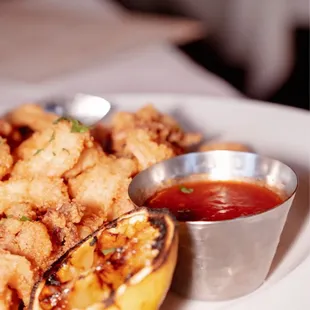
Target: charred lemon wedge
x=127, y=264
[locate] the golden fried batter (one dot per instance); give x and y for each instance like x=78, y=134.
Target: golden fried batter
x=162, y=128
x=90, y=222
x=19, y=210
x=60, y=224
x=6, y=159
x=15, y=274
x=51, y=152
x=100, y=186
x=32, y=116
x=145, y=150
x=26, y=238
x=89, y=157
x=40, y=192
x=122, y=203
x=5, y=128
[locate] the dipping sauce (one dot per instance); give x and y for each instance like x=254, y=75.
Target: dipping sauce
x=214, y=200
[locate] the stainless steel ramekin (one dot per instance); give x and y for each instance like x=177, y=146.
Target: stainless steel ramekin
x=223, y=259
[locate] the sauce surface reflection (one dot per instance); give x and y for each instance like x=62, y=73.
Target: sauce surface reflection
x=214, y=200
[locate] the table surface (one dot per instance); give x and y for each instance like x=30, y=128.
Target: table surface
x=41, y=40
x=95, y=47
x=153, y=69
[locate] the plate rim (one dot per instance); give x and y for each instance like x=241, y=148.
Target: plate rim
x=241, y=100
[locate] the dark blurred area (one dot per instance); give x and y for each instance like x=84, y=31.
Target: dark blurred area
x=276, y=71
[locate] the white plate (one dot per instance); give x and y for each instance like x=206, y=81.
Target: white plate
x=272, y=130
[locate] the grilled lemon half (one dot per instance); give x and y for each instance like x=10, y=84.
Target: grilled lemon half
x=127, y=264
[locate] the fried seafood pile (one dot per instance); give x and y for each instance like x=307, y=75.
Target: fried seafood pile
x=61, y=180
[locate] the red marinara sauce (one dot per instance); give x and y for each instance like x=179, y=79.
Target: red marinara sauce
x=214, y=200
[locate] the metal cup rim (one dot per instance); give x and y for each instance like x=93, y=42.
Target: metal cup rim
x=222, y=222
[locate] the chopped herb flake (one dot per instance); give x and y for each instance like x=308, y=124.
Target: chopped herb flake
x=52, y=137
x=37, y=152
x=54, y=153
x=186, y=190
x=78, y=127
x=108, y=251
x=66, y=150
x=24, y=218
x=93, y=241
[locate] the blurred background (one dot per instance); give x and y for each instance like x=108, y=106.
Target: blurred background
x=253, y=48
x=260, y=47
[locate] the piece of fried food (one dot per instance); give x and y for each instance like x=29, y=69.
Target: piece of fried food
x=145, y=149
x=40, y=193
x=163, y=129
x=227, y=146
x=16, y=280
x=99, y=187
x=127, y=264
x=5, y=128
x=88, y=159
x=32, y=116
x=13, y=135
x=51, y=152
x=90, y=222
x=6, y=159
x=26, y=238
x=20, y=210
x=60, y=223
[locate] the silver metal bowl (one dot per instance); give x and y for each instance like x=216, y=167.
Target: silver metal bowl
x=220, y=260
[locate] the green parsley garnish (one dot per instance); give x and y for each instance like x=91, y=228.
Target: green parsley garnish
x=108, y=251
x=76, y=126
x=66, y=150
x=186, y=190
x=24, y=218
x=37, y=152
x=93, y=241
x=52, y=137
x=49, y=141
